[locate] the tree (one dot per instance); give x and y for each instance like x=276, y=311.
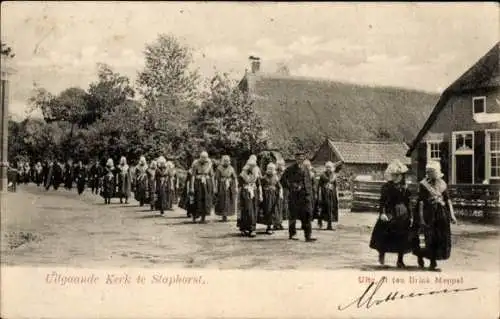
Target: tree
x=227, y=123
x=168, y=74
x=70, y=105
x=282, y=69
x=110, y=90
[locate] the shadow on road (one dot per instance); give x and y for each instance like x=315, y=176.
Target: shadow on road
x=390, y=268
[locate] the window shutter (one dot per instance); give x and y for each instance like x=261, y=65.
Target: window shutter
x=479, y=156
x=421, y=160
x=444, y=149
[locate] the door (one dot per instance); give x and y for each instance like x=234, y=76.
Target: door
x=463, y=169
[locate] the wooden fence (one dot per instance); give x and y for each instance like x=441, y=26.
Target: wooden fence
x=478, y=202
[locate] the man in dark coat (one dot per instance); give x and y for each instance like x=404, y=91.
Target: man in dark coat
x=297, y=179
x=95, y=174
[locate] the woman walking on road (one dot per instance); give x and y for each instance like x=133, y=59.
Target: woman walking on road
x=327, y=197
x=435, y=212
x=141, y=181
x=226, y=184
x=151, y=189
x=124, y=180
x=250, y=197
x=272, y=193
x=392, y=229
x=108, y=182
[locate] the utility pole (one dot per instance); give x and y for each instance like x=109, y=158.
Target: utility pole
x=6, y=70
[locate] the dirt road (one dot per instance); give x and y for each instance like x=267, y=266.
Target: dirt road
x=61, y=228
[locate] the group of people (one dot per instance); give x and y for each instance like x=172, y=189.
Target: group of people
x=270, y=197
x=50, y=174
x=425, y=231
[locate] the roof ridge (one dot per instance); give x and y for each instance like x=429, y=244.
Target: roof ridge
x=270, y=75
x=365, y=142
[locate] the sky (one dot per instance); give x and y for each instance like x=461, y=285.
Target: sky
x=419, y=46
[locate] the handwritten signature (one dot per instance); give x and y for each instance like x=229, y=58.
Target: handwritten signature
x=369, y=299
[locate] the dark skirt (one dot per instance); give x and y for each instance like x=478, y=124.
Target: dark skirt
x=162, y=197
x=269, y=207
x=392, y=236
x=437, y=234
x=124, y=186
x=80, y=185
x=225, y=200
x=203, y=196
x=329, y=207
x=141, y=189
x=108, y=187
x=248, y=209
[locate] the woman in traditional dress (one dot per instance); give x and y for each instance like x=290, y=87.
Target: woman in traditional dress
x=391, y=233
x=172, y=186
x=151, y=178
x=282, y=213
x=124, y=180
x=435, y=212
x=202, y=186
x=272, y=193
x=80, y=177
x=250, y=197
x=161, y=185
x=226, y=184
x=108, y=182
x=327, y=195
x=141, y=181
x=27, y=172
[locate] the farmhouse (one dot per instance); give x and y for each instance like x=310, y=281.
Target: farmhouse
x=300, y=112
x=361, y=158
x=463, y=130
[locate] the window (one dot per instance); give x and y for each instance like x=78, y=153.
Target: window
x=464, y=142
x=434, y=151
x=494, y=153
x=479, y=104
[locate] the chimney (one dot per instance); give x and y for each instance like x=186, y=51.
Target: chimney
x=255, y=63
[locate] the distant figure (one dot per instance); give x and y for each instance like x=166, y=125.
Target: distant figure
x=272, y=193
x=57, y=175
x=108, y=182
x=173, y=184
x=141, y=181
x=80, y=177
x=27, y=173
x=392, y=229
x=250, y=197
x=435, y=212
x=151, y=178
x=95, y=174
x=162, y=185
x=124, y=180
x=282, y=213
x=38, y=173
x=202, y=186
x=68, y=175
x=328, y=199
x=226, y=185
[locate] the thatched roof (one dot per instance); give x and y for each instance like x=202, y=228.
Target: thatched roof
x=368, y=152
x=483, y=75
x=301, y=112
